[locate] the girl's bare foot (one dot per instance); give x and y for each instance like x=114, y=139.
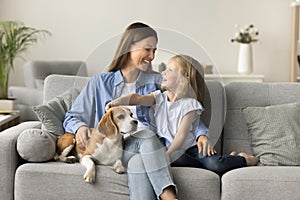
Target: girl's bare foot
x=251, y=160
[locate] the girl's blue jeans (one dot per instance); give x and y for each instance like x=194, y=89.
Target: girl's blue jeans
x=216, y=163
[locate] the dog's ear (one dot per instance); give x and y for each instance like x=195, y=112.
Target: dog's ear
x=107, y=125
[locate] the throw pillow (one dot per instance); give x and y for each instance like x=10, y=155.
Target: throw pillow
x=36, y=145
x=53, y=113
x=275, y=133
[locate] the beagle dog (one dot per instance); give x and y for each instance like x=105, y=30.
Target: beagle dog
x=104, y=146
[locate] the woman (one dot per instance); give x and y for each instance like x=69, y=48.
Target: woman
x=149, y=176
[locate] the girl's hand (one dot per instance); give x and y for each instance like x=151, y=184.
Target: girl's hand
x=108, y=106
x=113, y=103
x=168, y=157
x=205, y=146
x=118, y=102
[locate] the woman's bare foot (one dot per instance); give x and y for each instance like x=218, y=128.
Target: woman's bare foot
x=251, y=160
x=233, y=153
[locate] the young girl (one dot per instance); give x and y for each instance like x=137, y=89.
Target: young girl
x=177, y=113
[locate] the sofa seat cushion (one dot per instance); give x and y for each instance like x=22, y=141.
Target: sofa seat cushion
x=269, y=182
x=195, y=183
x=55, y=180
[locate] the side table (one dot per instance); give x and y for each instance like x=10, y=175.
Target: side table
x=8, y=120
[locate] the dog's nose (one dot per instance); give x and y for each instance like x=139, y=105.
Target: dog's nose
x=135, y=122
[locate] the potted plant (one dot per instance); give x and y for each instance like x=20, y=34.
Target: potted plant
x=246, y=35
x=15, y=39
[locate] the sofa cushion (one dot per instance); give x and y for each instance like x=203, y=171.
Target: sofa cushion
x=269, y=182
x=275, y=133
x=53, y=112
x=36, y=145
x=50, y=180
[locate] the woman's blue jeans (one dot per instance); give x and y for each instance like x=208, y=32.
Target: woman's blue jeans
x=147, y=167
x=216, y=163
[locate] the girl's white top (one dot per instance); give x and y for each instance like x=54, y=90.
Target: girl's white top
x=168, y=115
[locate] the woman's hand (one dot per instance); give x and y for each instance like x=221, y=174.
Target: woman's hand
x=205, y=146
x=82, y=134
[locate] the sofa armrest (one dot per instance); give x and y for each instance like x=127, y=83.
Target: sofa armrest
x=9, y=157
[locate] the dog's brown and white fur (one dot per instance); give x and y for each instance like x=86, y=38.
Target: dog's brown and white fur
x=104, y=146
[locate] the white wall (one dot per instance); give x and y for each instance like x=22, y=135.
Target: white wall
x=79, y=26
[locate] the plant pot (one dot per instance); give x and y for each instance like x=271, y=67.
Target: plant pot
x=245, y=62
x=7, y=105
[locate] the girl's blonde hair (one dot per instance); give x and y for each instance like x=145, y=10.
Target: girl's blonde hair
x=191, y=69
x=133, y=33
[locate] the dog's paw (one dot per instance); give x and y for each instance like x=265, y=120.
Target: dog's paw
x=70, y=159
x=89, y=176
x=56, y=157
x=118, y=167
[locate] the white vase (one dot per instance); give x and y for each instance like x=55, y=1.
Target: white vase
x=245, y=62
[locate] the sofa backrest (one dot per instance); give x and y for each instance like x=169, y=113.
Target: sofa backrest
x=56, y=85
x=214, y=113
x=214, y=102
x=36, y=71
x=242, y=95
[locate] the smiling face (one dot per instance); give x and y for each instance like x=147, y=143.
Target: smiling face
x=172, y=77
x=142, y=53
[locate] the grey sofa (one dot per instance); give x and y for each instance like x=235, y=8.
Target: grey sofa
x=35, y=73
x=52, y=180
